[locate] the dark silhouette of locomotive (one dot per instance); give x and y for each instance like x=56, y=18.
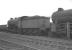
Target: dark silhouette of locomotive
x=41, y=25
x=35, y=25
x=63, y=22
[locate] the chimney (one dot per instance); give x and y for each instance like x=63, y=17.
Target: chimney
x=60, y=9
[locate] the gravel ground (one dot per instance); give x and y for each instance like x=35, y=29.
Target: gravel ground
x=11, y=46
x=1, y=49
x=35, y=42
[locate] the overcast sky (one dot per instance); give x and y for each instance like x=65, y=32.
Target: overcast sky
x=17, y=8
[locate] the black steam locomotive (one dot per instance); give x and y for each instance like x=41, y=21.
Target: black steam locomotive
x=41, y=25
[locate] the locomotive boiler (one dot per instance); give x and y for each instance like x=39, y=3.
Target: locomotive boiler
x=62, y=15
x=36, y=25
x=63, y=22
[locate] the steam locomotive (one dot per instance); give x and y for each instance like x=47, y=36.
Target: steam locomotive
x=40, y=25
x=35, y=25
x=63, y=22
